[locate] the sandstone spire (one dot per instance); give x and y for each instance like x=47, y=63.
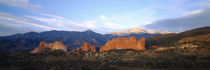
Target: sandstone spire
x=124, y=43
x=87, y=47
x=52, y=46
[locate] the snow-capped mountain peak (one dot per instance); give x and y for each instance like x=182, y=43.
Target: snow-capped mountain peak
x=137, y=31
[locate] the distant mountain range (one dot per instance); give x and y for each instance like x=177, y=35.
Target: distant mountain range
x=72, y=39
x=75, y=39
x=30, y=40
x=137, y=31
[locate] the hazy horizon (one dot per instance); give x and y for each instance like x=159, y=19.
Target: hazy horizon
x=20, y=16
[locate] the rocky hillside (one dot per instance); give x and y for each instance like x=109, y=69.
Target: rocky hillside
x=165, y=58
x=205, y=38
x=174, y=39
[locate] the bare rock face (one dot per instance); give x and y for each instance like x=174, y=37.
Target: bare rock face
x=51, y=46
x=124, y=43
x=87, y=47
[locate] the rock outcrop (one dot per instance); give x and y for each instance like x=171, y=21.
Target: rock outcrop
x=43, y=46
x=87, y=47
x=124, y=43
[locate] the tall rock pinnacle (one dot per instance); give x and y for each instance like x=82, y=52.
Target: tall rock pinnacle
x=124, y=43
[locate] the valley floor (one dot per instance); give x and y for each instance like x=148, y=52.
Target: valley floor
x=172, y=58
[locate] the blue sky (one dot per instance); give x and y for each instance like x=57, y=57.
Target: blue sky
x=102, y=16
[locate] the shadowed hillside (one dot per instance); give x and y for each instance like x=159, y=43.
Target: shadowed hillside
x=31, y=40
x=172, y=39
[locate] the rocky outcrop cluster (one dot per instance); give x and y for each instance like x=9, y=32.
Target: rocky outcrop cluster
x=87, y=47
x=124, y=43
x=51, y=46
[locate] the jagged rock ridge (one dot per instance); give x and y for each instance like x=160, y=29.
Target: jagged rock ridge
x=124, y=43
x=87, y=47
x=51, y=46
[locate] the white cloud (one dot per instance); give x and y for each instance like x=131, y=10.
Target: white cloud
x=111, y=25
x=66, y=24
x=22, y=3
x=52, y=22
x=193, y=12
x=8, y=27
x=199, y=18
x=143, y=17
x=103, y=17
x=58, y=22
x=9, y=17
x=145, y=23
x=7, y=24
x=196, y=12
x=91, y=24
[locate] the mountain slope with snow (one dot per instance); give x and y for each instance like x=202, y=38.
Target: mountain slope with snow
x=137, y=31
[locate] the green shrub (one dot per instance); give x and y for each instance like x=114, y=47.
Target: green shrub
x=55, y=68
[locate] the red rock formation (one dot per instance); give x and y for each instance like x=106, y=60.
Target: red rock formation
x=154, y=46
x=87, y=47
x=52, y=46
x=124, y=43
